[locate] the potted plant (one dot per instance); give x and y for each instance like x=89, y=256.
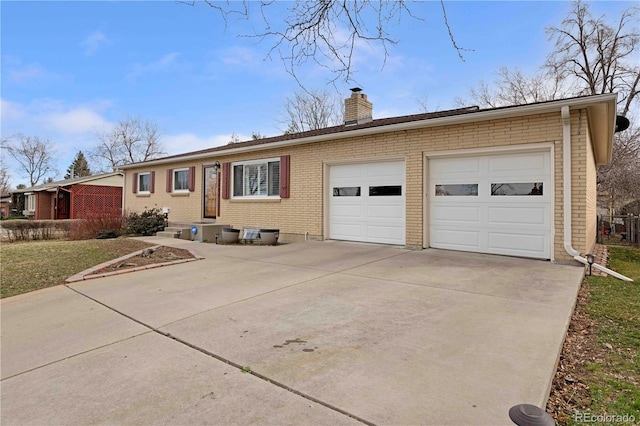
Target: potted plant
x=269, y=236
x=230, y=235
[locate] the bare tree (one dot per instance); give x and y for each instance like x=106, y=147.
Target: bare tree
x=131, y=140
x=33, y=155
x=311, y=110
x=620, y=180
x=513, y=87
x=599, y=57
x=5, y=187
x=325, y=32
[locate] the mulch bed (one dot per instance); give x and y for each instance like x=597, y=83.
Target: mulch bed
x=161, y=254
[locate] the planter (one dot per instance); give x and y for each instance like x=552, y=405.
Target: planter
x=230, y=235
x=269, y=237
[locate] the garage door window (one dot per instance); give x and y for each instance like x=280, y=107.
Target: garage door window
x=346, y=191
x=457, y=190
x=529, y=188
x=385, y=191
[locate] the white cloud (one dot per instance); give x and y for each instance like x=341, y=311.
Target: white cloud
x=26, y=73
x=77, y=120
x=94, y=41
x=187, y=142
x=11, y=110
x=167, y=63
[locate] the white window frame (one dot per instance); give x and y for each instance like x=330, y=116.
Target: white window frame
x=264, y=161
x=174, y=180
x=140, y=191
x=31, y=202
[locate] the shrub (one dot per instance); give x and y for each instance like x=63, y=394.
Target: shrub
x=24, y=230
x=146, y=223
x=96, y=226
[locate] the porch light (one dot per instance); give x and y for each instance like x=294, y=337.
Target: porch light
x=530, y=415
x=216, y=166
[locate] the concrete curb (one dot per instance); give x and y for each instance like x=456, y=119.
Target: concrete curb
x=90, y=273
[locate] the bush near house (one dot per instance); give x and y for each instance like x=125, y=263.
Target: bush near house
x=146, y=223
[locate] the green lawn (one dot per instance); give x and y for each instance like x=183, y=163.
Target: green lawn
x=33, y=265
x=614, y=306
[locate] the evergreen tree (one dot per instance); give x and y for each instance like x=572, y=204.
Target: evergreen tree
x=78, y=168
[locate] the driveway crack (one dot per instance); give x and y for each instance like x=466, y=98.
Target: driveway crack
x=228, y=361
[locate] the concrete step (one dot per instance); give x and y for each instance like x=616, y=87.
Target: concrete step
x=172, y=232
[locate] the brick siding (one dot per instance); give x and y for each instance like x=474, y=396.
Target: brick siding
x=303, y=212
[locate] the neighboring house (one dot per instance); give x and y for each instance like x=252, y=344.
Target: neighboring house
x=517, y=180
x=78, y=198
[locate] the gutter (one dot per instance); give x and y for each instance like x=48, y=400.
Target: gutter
x=566, y=178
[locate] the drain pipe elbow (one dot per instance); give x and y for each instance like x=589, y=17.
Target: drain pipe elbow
x=566, y=178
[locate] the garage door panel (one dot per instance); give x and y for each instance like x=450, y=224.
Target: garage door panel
x=519, y=163
x=346, y=211
x=382, y=212
x=384, y=234
x=385, y=171
x=518, y=243
x=456, y=213
x=452, y=238
x=346, y=231
x=454, y=166
x=525, y=216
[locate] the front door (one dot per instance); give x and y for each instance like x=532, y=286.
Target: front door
x=210, y=191
x=63, y=205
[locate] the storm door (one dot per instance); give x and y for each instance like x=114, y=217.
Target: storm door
x=210, y=191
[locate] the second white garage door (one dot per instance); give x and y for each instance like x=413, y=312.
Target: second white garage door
x=367, y=202
x=498, y=204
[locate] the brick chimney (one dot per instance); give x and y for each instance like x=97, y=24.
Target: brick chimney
x=357, y=109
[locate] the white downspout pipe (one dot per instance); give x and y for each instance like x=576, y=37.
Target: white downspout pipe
x=566, y=170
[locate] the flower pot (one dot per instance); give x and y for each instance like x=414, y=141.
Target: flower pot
x=230, y=235
x=269, y=237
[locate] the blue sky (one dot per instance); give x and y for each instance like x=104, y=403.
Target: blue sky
x=70, y=69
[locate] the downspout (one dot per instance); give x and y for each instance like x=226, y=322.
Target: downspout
x=566, y=169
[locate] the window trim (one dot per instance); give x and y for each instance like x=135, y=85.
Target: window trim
x=264, y=161
x=174, y=180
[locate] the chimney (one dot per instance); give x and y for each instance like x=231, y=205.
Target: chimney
x=357, y=109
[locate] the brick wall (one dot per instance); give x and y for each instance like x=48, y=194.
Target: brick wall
x=303, y=212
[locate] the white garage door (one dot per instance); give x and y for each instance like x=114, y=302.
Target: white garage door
x=367, y=202
x=497, y=204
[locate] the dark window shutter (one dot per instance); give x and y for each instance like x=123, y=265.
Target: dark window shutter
x=226, y=180
x=192, y=178
x=134, y=184
x=284, y=176
x=152, y=182
x=169, y=186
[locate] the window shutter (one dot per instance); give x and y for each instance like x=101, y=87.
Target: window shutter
x=169, y=184
x=226, y=180
x=284, y=176
x=192, y=178
x=152, y=181
x=134, y=186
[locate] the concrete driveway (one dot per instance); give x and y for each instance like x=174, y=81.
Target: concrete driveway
x=326, y=333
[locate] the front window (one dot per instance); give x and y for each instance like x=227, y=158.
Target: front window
x=181, y=180
x=257, y=178
x=31, y=202
x=144, y=182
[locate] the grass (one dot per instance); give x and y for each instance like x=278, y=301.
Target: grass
x=33, y=265
x=614, y=307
